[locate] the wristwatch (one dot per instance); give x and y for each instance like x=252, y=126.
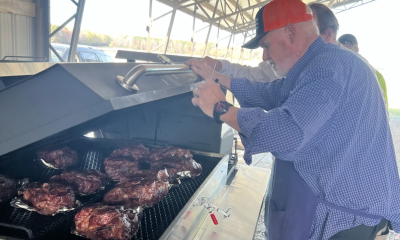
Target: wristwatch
x=220, y=108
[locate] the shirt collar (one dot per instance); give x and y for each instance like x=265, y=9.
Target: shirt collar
x=305, y=59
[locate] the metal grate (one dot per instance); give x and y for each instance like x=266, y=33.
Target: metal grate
x=20, y=223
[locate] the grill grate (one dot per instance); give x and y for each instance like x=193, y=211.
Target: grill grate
x=20, y=223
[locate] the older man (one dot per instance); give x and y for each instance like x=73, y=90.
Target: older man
x=326, y=124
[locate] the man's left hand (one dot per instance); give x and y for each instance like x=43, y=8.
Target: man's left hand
x=206, y=95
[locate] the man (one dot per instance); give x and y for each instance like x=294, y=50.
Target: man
x=328, y=26
x=326, y=124
x=350, y=41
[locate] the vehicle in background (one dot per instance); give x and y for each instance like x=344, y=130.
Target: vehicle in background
x=83, y=54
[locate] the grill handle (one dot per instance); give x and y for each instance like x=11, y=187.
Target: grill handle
x=129, y=81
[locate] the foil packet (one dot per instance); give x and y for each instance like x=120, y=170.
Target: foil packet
x=17, y=202
x=49, y=165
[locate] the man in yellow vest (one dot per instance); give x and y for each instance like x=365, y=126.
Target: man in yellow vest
x=350, y=41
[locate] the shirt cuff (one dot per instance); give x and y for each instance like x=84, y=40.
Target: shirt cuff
x=226, y=66
x=248, y=119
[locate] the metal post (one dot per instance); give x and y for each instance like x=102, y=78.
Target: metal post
x=194, y=26
x=171, y=23
x=233, y=29
x=242, y=49
x=233, y=44
x=149, y=27
x=43, y=28
x=77, y=30
x=216, y=46
x=209, y=29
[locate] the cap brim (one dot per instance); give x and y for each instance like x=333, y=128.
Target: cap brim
x=254, y=43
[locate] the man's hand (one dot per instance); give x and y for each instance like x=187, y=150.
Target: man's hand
x=211, y=62
x=201, y=67
x=206, y=95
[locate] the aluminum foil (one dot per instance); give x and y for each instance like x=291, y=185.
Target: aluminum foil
x=184, y=174
x=18, y=203
x=49, y=165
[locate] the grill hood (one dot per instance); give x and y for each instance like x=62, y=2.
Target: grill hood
x=74, y=97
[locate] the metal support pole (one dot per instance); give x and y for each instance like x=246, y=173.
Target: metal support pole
x=77, y=30
x=242, y=49
x=42, y=28
x=209, y=29
x=149, y=27
x=233, y=29
x=194, y=26
x=216, y=45
x=233, y=44
x=171, y=23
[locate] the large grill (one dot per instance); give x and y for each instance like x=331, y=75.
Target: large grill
x=20, y=223
x=57, y=106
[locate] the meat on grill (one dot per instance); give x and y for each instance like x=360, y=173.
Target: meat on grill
x=47, y=198
x=100, y=222
x=59, y=158
x=136, y=152
x=136, y=193
x=8, y=188
x=170, y=153
x=125, y=168
x=82, y=182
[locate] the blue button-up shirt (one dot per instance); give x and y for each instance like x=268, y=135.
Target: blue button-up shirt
x=328, y=117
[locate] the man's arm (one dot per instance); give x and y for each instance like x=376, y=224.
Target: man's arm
x=261, y=73
x=249, y=94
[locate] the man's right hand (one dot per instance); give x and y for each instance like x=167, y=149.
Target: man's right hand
x=211, y=62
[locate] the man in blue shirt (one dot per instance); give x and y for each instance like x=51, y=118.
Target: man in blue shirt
x=326, y=124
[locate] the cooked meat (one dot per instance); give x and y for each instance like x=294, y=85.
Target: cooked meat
x=82, y=182
x=120, y=168
x=174, y=166
x=137, y=152
x=59, y=158
x=8, y=188
x=100, y=222
x=136, y=193
x=125, y=168
x=170, y=153
x=47, y=198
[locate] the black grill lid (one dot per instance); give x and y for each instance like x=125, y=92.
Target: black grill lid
x=67, y=95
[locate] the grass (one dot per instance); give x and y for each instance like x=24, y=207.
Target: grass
x=394, y=113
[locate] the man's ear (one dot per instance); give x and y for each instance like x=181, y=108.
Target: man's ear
x=329, y=35
x=290, y=32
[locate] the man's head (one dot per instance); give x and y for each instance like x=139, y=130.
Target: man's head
x=285, y=30
x=327, y=22
x=349, y=41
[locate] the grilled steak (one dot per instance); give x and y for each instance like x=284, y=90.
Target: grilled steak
x=133, y=194
x=100, y=222
x=136, y=152
x=125, y=168
x=59, y=158
x=170, y=153
x=82, y=182
x=47, y=198
x=8, y=188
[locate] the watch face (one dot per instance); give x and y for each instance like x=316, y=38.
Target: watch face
x=221, y=107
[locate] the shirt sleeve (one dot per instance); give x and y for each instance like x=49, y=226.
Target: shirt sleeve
x=256, y=94
x=286, y=129
x=242, y=71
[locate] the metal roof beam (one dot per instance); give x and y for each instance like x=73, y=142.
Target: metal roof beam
x=237, y=12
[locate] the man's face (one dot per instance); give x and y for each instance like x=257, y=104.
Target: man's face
x=277, y=51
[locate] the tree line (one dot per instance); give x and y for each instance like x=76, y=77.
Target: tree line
x=156, y=44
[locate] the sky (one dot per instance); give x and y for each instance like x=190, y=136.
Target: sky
x=373, y=24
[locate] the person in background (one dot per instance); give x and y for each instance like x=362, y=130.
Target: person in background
x=350, y=41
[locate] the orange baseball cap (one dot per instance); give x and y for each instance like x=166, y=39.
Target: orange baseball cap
x=277, y=14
